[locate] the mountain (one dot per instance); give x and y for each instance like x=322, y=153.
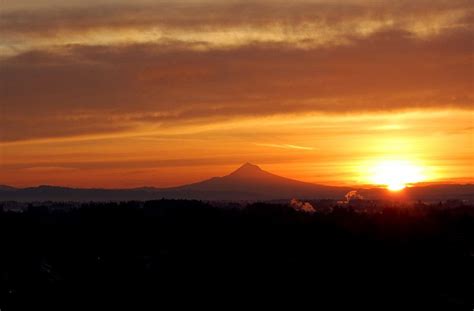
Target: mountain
x=248, y=183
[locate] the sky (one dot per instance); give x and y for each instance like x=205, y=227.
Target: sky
x=162, y=93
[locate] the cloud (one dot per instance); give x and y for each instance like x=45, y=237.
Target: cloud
x=418, y=60
x=48, y=169
x=215, y=24
x=285, y=146
x=104, y=164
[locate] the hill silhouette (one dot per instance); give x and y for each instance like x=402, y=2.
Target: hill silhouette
x=248, y=183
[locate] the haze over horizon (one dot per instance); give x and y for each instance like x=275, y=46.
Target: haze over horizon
x=113, y=94
x=247, y=183
x=249, y=172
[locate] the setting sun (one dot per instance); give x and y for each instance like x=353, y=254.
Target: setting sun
x=396, y=175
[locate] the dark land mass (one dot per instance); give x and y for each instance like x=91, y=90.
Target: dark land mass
x=174, y=254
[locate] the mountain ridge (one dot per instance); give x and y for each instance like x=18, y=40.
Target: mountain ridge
x=247, y=183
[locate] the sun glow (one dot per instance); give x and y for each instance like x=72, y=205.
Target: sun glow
x=395, y=174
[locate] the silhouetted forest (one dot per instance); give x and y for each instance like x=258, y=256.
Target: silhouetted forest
x=155, y=254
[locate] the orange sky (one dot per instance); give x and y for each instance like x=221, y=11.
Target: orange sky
x=120, y=94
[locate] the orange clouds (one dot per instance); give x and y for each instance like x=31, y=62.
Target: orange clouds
x=97, y=89
x=216, y=24
x=94, y=89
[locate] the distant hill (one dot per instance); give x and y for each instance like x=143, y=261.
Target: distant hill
x=248, y=183
x=7, y=188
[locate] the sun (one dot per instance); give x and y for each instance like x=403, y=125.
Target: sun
x=396, y=174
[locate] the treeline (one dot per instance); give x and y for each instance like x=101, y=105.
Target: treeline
x=178, y=252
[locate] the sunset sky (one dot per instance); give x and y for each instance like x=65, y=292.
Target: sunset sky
x=160, y=93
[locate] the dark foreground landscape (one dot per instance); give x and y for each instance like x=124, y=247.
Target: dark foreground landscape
x=135, y=255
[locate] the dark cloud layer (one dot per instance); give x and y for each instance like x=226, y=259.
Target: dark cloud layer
x=212, y=14
x=86, y=89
